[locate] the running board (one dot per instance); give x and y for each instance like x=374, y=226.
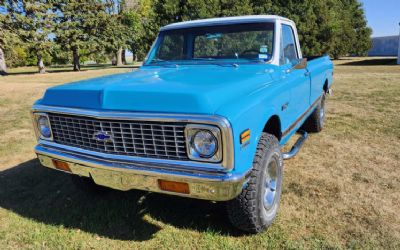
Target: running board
x=296, y=147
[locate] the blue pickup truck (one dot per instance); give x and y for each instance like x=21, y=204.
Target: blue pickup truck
x=205, y=117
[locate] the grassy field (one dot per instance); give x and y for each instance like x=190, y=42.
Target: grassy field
x=341, y=191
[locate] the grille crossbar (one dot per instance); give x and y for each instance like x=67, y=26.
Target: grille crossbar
x=164, y=140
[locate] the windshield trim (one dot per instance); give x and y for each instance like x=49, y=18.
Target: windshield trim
x=194, y=61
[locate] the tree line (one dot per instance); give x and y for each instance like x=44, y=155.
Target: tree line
x=48, y=32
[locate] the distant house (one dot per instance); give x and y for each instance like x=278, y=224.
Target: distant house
x=384, y=46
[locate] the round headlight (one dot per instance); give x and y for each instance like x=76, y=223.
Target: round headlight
x=205, y=143
x=44, y=126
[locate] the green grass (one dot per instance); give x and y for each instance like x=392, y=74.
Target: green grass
x=341, y=191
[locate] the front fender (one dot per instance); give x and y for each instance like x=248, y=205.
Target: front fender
x=251, y=112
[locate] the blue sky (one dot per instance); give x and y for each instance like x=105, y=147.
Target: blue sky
x=383, y=16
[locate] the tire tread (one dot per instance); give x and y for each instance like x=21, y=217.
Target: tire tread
x=242, y=211
x=313, y=123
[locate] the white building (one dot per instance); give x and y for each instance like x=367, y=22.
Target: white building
x=398, y=51
x=384, y=46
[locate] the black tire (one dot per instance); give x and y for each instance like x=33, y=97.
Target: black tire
x=249, y=212
x=315, y=122
x=87, y=185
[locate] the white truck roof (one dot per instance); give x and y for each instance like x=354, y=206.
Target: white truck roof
x=225, y=20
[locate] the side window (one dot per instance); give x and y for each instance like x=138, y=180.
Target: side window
x=288, y=46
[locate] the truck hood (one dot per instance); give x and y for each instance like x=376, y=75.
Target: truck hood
x=185, y=89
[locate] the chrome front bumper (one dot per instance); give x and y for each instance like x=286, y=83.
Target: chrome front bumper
x=123, y=175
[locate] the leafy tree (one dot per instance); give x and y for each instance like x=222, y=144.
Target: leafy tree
x=362, y=42
x=114, y=36
x=335, y=27
x=13, y=52
x=60, y=56
x=169, y=11
x=99, y=28
x=32, y=21
x=233, y=8
x=115, y=33
x=4, y=35
x=350, y=32
x=141, y=19
x=79, y=27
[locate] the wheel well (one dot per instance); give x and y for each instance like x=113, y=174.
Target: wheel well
x=326, y=86
x=273, y=126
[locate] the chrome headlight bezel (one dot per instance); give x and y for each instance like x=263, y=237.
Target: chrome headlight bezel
x=38, y=132
x=191, y=130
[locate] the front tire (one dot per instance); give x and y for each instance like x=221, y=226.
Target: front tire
x=256, y=207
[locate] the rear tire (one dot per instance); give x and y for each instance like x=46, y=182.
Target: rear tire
x=316, y=121
x=256, y=207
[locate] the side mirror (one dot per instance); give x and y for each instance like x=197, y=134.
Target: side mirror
x=298, y=64
x=301, y=64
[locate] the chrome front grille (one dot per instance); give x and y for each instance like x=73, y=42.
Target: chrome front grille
x=164, y=140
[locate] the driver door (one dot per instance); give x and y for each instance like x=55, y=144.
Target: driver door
x=297, y=80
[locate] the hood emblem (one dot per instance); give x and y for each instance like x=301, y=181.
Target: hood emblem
x=103, y=136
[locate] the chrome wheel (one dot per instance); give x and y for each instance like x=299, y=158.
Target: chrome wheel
x=322, y=113
x=271, y=181
x=255, y=208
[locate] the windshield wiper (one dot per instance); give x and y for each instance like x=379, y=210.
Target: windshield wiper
x=222, y=64
x=204, y=58
x=227, y=64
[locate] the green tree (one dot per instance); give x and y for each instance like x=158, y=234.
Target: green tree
x=4, y=35
x=115, y=33
x=32, y=21
x=98, y=28
x=141, y=20
x=233, y=8
x=114, y=37
x=335, y=27
x=80, y=25
x=362, y=42
x=350, y=32
x=169, y=11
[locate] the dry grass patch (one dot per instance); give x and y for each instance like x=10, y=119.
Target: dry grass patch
x=341, y=191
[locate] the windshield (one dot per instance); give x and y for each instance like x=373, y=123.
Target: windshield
x=235, y=43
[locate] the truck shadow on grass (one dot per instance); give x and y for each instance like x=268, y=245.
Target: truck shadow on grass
x=373, y=62
x=49, y=197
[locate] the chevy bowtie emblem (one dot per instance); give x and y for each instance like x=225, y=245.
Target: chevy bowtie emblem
x=103, y=136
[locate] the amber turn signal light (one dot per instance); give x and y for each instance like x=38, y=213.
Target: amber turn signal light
x=61, y=165
x=173, y=186
x=245, y=136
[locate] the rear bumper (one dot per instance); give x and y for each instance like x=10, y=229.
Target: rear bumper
x=216, y=186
